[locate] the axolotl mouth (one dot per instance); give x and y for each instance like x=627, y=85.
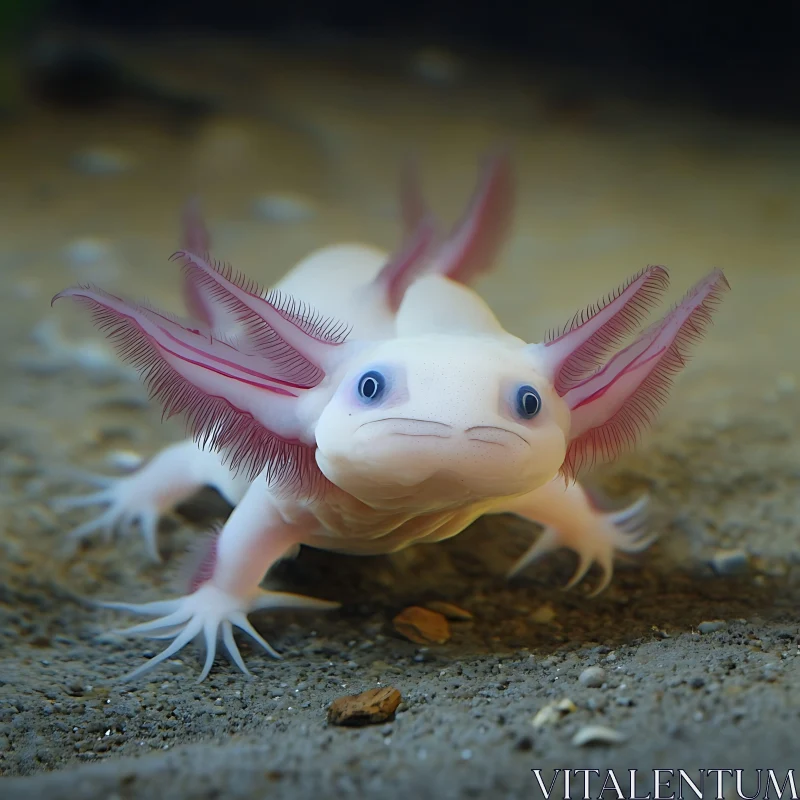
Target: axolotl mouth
x=397, y=454
x=412, y=427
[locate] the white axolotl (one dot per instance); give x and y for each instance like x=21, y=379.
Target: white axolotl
x=369, y=403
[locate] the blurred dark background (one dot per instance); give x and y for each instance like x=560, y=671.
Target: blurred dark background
x=735, y=58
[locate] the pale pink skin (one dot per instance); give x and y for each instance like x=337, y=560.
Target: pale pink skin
x=277, y=393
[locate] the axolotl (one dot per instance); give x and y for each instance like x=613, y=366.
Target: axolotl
x=369, y=402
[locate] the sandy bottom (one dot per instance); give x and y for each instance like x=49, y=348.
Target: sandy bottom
x=605, y=188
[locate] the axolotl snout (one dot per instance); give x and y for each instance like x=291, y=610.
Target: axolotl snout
x=370, y=402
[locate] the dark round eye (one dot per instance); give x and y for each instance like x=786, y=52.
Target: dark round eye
x=371, y=385
x=529, y=403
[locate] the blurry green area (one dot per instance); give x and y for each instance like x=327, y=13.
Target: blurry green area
x=15, y=15
x=17, y=18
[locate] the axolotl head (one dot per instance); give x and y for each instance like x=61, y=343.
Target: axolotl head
x=442, y=419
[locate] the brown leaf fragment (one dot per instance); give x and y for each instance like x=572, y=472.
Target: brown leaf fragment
x=368, y=708
x=422, y=626
x=449, y=610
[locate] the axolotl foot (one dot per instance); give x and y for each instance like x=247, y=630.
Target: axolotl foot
x=622, y=531
x=126, y=508
x=211, y=613
x=140, y=498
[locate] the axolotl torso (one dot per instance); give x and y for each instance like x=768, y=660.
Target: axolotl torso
x=370, y=402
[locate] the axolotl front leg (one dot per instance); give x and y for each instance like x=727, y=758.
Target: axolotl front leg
x=141, y=498
x=609, y=405
x=225, y=587
x=572, y=520
x=245, y=401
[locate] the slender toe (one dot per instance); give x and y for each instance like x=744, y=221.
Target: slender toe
x=153, y=609
x=241, y=622
x=80, y=501
x=231, y=647
x=148, y=524
x=186, y=636
x=179, y=617
x=584, y=563
x=104, y=521
x=546, y=543
x=210, y=638
x=274, y=600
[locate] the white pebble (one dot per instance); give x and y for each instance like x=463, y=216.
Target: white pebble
x=91, y=259
x=93, y=357
x=83, y=252
x=553, y=712
x=283, y=208
x=47, y=334
x=124, y=459
x=596, y=734
x=729, y=562
x=90, y=355
x=712, y=626
x=593, y=677
x=546, y=716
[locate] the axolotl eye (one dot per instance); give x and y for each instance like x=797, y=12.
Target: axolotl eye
x=529, y=402
x=371, y=386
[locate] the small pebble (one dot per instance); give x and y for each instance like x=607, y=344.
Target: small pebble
x=596, y=734
x=449, y=610
x=553, y=712
x=596, y=703
x=729, y=562
x=593, y=677
x=91, y=259
x=368, y=708
x=422, y=626
x=712, y=626
x=86, y=251
x=544, y=614
x=127, y=460
x=625, y=701
x=93, y=356
x=283, y=208
x=525, y=744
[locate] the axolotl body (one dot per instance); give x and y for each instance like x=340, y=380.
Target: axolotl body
x=370, y=402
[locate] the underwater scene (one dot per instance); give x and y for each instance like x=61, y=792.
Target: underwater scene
x=497, y=271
